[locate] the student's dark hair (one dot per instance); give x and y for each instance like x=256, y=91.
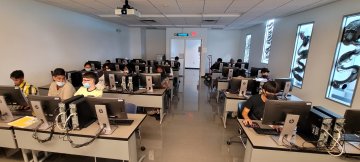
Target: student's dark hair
x=176, y=58
x=271, y=86
x=265, y=70
x=91, y=75
x=108, y=61
x=239, y=60
x=17, y=74
x=104, y=66
x=219, y=60
x=87, y=63
x=58, y=71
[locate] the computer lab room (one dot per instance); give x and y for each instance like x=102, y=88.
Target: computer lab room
x=179, y=80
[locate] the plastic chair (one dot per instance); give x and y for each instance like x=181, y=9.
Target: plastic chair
x=243, y=138
x=132, y=109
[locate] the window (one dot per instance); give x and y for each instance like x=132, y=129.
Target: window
x=345, y=70
x=247, y=47
x=267, y=41
x=301, y=51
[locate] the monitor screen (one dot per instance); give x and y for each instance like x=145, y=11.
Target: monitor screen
x=235, y=83
x=275, y=111
x=352, y=120
x=13, y=95
x=97, y=64
x=282, y=81
x=49, y=104
x=242, y=64
x=115, y=107
x=254, y=71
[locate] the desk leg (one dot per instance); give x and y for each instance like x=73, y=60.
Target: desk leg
x=224, y=117
x=25, y=157
x=217, y=96
x=162, y=113
x=34, y=154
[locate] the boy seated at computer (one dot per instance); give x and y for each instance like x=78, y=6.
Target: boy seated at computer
x=60, y=87
x=90, y=79
x=253, y=108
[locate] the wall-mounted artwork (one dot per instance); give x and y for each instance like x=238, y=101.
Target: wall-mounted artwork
x=301, y=51
x=267, y=41
x=345, y=70
x=247, y=48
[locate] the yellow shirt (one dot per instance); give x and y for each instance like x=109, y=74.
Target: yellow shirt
x=65, y=92
x=28, y=89
x=83, y=91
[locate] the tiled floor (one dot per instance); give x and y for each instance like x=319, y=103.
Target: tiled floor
x=192, y=131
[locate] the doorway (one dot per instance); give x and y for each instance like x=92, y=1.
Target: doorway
x=188, y=51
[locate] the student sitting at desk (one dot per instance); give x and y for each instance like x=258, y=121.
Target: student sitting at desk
x=89, y=88
x=101, y=84
x=254, y=106
x=265, y=73
x=60, y=87
x=165, y=82
x=87, y=66
x=216, y=65
x=18, y=78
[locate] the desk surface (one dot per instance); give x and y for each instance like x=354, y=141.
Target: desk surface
x=4, y=126
x=156, y=92
x=266, y=142
x=121, y=132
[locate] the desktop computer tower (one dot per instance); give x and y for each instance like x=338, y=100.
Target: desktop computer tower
x=316, y=128
x=82, y=115
x=64, y=109
x=337, y=124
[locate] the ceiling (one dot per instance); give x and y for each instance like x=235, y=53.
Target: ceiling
x=227, y=14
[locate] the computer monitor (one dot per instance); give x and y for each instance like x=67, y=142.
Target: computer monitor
x=95, y=65
x=121, y=60
x=156, y=80
x=115, y=107
x=74, y=77
x=254, y=71
x=10, y=97
x=113, y=66
x=282, y=83
x=292, y=114
x=64, y=109
x=137, y=61
x=235, y=72
x=114, y=80
x=45, y=108
x=141, y=67
x=235, y=85
x=352, y=120
x=152, y=63
x=242, y=65
x=167, y=68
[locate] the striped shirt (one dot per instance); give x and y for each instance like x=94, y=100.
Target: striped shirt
x=28, y=89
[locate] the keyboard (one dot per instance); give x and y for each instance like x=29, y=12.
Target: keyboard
x=120, y=121
x=266, y=131
x=351, y=137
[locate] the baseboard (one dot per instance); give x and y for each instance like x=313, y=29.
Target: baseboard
x=193, y=68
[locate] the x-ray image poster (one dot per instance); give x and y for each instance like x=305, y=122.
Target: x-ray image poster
x=247, y=48
x=301, y=51
x=267, y=41
x=344, y=73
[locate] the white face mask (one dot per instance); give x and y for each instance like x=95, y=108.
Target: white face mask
x=87, y=69
x=60, y=84
x=108, y=69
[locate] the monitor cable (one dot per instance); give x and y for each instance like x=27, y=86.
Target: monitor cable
x=35, y=133
x=74, y=145
x=342, y=150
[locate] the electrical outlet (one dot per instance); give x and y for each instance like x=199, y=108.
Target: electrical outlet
x=151, y=155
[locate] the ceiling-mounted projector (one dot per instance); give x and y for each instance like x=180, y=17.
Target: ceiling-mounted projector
x=127, y=10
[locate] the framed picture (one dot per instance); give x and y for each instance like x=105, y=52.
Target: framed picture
x=345, y=70
x=267, y=41
x=301, y=51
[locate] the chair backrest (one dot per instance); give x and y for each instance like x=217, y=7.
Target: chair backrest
x=240, y=109
x=130, y=108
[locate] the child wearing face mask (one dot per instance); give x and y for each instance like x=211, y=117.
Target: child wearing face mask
x=90, y=79
x=87, y=67
x=60, y=87
x=254, y=106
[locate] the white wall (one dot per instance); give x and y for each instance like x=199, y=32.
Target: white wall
x=225, y=44
x=155, y=43
x=257, y=40
x=136, y=43
x=37, y=38
x=324, y=39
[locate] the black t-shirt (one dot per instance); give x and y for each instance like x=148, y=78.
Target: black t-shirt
x=256, y=106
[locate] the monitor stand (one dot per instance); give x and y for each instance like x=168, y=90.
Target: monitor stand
x=243, y=89
x=103, y=120
x=289, y=130
x=286, y=91
x=39, y=113
x=149, y=87
x=5, y=112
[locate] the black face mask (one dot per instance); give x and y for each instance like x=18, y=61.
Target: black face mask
x=265, y=76
x=270, y=96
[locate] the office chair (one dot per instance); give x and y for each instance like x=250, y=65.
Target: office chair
x=132, y=109
x=241, y=135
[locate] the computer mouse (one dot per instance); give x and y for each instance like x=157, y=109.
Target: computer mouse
x=255, y=125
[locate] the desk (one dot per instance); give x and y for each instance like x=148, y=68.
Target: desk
x=222, y=84
x=121, y=144
x=215, y=75
x=154, y=99
x=263, y=148
x=7, y=136
x=232, y=101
